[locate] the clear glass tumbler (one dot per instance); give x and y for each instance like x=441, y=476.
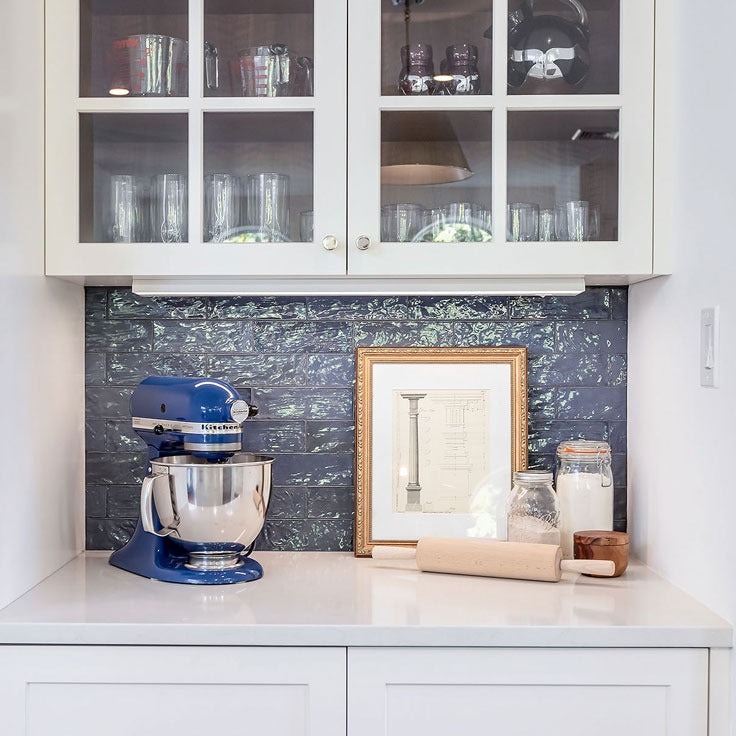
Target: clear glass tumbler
x=483, y=222
x=594, y=222
x=523, y=222
x=578, y=213
x=547, y=226
x=268, y=205
x=169, y=208
x=222, y=201
x=306, y=226
x=400, y=223
x=127, y=223
x=561, y=233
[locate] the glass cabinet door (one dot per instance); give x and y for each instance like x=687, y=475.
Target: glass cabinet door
x=133, y=48
x=209, y=130
x=501, y=137
x=564, y=47
x=563, y=176
x=259, y=48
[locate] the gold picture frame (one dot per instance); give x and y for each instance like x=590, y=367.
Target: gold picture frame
x=367, y=359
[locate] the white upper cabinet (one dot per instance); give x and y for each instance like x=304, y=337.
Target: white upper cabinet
x=196, y=138
x=288, y=142
x=502, y=137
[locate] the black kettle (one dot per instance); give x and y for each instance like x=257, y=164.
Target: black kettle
x=548, y=47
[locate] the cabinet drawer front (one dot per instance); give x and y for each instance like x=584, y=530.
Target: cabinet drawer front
x=187, y=690
x=527, y=691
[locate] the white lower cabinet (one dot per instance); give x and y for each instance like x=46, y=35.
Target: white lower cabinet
x=526, y=692
x=187, y=691
x=287, y=691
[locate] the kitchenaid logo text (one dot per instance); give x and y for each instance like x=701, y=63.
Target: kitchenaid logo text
x=158, y=426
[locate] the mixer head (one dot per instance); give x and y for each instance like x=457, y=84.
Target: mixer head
x=189, y=416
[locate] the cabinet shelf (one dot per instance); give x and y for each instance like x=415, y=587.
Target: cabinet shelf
x=186, y=104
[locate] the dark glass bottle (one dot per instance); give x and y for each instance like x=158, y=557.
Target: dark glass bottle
x=462, y=65
x=417, y=72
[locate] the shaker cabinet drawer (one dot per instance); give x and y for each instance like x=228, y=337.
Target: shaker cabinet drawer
x=523, y=692
x=190, y=691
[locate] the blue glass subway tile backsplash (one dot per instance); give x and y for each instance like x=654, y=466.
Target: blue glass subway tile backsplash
x=295, y=359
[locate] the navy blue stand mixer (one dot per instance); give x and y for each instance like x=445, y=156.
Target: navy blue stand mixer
x=204, y=501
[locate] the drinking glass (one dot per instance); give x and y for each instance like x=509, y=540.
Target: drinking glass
x=434, y=222
x=483, y=221
x=577, y=220
x=169, y=208
x=401, y=222
x=459, y=222
x=523, y=222
x=306, y=226
x=388, y=226
x=594, y=222
x=222, y=200
x=561, y=223
x=268, y=205
x=127, y=224
x=547, y=226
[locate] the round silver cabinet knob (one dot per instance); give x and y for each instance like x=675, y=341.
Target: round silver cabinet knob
x=363, y=242
x=329, y=242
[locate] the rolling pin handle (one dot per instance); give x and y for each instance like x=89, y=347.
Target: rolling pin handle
x=602, y=568
x=383, y=552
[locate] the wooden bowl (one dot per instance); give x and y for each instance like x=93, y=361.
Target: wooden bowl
x=603, y=545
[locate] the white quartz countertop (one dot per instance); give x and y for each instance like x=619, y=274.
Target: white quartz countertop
x=334, y=599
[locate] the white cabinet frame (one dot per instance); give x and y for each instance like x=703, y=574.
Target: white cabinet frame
x=120, y=262
x=601, y=262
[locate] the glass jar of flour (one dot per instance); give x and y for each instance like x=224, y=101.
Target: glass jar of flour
x=584, y=489
x=533, y=515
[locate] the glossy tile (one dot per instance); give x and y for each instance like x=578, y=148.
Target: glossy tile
x=592, y=403
x=322, y=469
x=269, y=437
x=303, y=337
x=537, y=337
x=330, y=436
x=359, y=308
x=403, y=334
x=199, y=336
x=297, y=403
x=265, y=307
x=123, y=304
x=129, y=369
x=591, y=337
x=460, y=308
x=331, y=370
x=259, y=370
x=593, y=303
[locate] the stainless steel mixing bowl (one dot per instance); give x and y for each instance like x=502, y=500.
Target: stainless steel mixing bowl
x=202, y=502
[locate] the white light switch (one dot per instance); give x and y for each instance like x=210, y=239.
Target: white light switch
x=709, y=347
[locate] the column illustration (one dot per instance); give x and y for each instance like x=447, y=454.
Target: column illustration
x=413, y=488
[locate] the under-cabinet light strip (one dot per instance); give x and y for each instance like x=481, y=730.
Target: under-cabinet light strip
x=359, y=287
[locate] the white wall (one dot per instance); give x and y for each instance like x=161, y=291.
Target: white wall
x=682, y=437
x=41, y=336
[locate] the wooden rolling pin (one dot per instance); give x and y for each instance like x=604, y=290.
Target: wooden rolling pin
x=493, y=559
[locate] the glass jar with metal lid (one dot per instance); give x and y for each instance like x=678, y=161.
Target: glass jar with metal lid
x=533, y=515
x=584, y=489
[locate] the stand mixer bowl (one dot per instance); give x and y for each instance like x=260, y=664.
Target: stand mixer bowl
x=213, y=511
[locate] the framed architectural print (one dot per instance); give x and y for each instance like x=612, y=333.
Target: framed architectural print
x=439, y=433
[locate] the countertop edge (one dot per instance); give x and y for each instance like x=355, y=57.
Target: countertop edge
x=362, y=636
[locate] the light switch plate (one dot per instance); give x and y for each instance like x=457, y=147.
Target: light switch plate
x=709, y=329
